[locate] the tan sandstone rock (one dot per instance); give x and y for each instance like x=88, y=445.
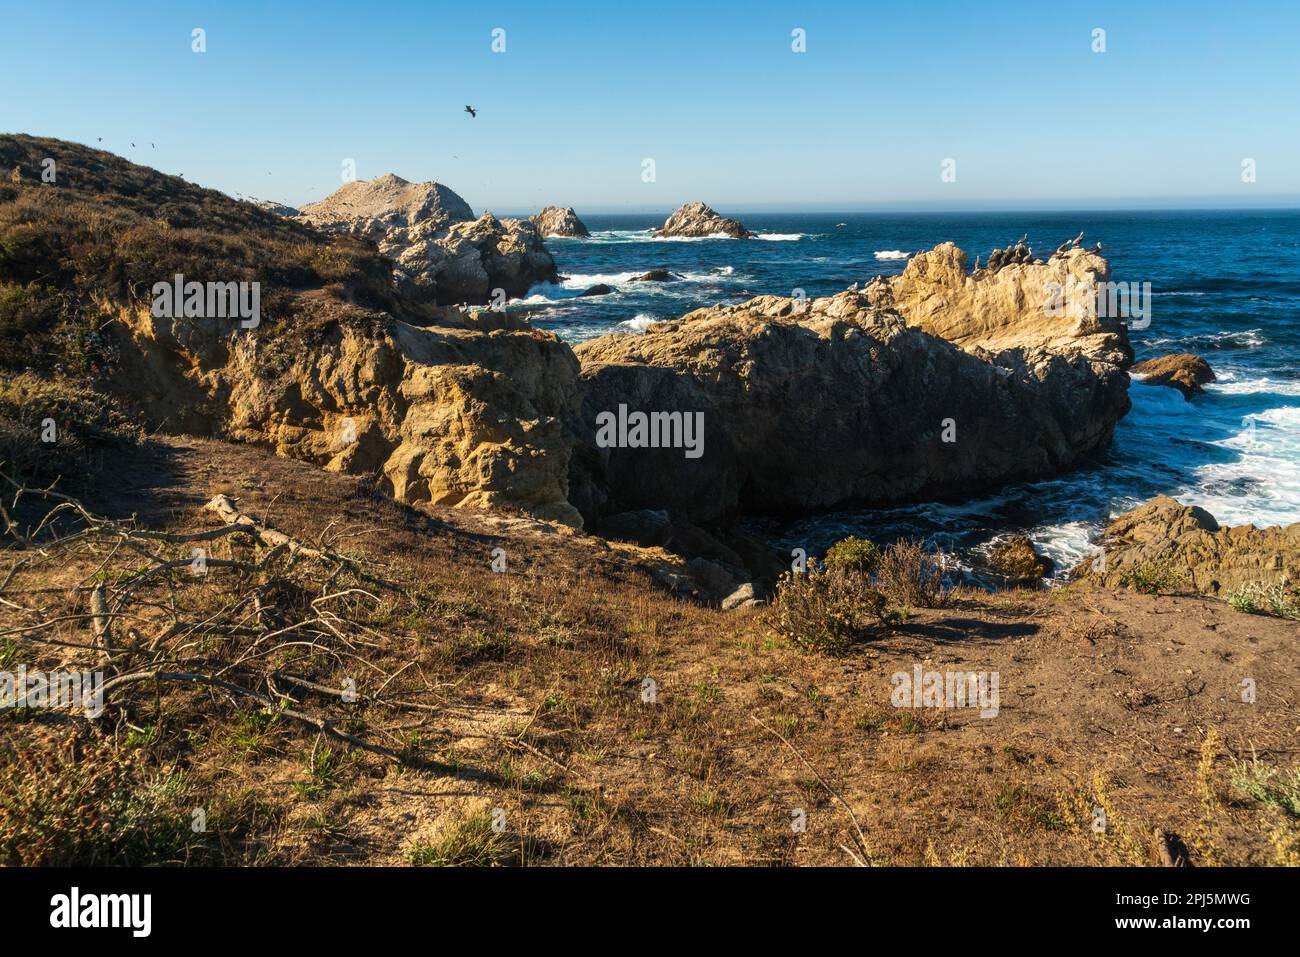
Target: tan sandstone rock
x=459, y=416
x=1186, y=547
x=1183, y=371
x=1019, y=561
x=812, y=404
x=1050, y=307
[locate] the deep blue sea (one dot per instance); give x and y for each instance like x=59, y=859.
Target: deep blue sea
x=1226, y=285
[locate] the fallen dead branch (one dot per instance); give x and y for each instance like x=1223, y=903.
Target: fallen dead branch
x=272, y=608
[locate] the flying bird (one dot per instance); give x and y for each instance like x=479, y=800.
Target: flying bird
x=471, y=111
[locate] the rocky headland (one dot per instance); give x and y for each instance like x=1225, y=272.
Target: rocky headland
x=937, y=382
x=443, y=253
x=940, y=381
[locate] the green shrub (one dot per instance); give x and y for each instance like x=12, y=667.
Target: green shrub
x=1152, y=578
x=852, y=554
x=828, y=610
x=1268, y=785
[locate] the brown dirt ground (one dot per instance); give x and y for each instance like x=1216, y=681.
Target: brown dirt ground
x=1107, y=699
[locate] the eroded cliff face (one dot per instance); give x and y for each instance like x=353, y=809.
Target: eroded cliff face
x=801, y=405
x=473, y=414
x=811, y=404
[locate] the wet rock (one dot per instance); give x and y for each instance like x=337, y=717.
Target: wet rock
x=656, y=275
x=1182, y=371
x=1020, y=562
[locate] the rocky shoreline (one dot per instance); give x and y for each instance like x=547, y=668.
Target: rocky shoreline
x=941, y=381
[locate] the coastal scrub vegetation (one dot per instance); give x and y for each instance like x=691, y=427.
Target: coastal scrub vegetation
x=828, y=610
x=1281, y=599
x=856, y=593
x=98, y=237
x=55, y=431
x=1153, y=578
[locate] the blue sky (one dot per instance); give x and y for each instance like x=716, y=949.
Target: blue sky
x=711, y=91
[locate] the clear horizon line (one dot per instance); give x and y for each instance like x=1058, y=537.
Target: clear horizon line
x=1281, y=203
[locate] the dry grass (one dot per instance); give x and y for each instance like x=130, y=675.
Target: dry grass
x=611, y=723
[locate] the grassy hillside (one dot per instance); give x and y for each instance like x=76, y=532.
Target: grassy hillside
x=106, y=230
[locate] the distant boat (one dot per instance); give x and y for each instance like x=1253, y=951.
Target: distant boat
x=840, y=225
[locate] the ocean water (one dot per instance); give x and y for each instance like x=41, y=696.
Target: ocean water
x=1226, y=285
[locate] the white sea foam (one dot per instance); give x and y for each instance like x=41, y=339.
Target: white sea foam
x=540, y=296
x=581, y=281
x=620, y=235
x=689, y=239
x=780, y=237
x=637, y=325
x=1067, y=544
x=1261, y=485
x=1246, y=338
x=891, y=254
x=1230, y=384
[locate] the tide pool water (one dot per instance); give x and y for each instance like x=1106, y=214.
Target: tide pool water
x=1225, y=284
